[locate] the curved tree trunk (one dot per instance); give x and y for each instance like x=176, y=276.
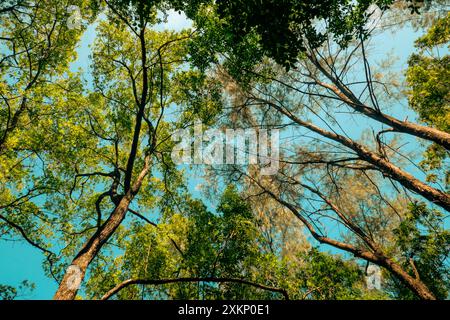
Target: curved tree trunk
x=68, y=287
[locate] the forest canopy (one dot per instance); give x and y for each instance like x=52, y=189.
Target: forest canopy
x=270, y=149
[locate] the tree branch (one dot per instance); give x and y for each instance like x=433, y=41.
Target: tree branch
x=129, y=282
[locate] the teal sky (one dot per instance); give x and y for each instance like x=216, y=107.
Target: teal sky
x=19, y=261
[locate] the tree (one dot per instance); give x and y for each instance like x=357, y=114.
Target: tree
x=321, y=72
x=190, y=254
x=329, y=277
x=134, y=88
x=67, y=149
x=11, y=293
x=428, y=75
x=219, y=257
x=318, y=171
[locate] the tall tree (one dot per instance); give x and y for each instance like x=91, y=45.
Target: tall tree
x=322, y=72
x=86, y=174
x=134, y=85
x=324, y=81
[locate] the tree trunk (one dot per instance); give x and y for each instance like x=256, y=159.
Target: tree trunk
x=67, y=290
x=415, y=284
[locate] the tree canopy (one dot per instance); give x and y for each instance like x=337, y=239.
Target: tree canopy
x=88, y=175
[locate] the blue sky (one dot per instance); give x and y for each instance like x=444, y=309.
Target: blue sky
x=19, y=261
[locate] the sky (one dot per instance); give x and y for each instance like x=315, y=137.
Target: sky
x=19, y=261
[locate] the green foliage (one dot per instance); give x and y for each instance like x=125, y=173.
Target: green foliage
x=228, y=243
x=285, y=27
x=142, y=12
x=428, y=76
x=197, y=243
x=328, y=277
x=10, y=293
x=41, y=105
x=199, y=95
x=422, y=238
